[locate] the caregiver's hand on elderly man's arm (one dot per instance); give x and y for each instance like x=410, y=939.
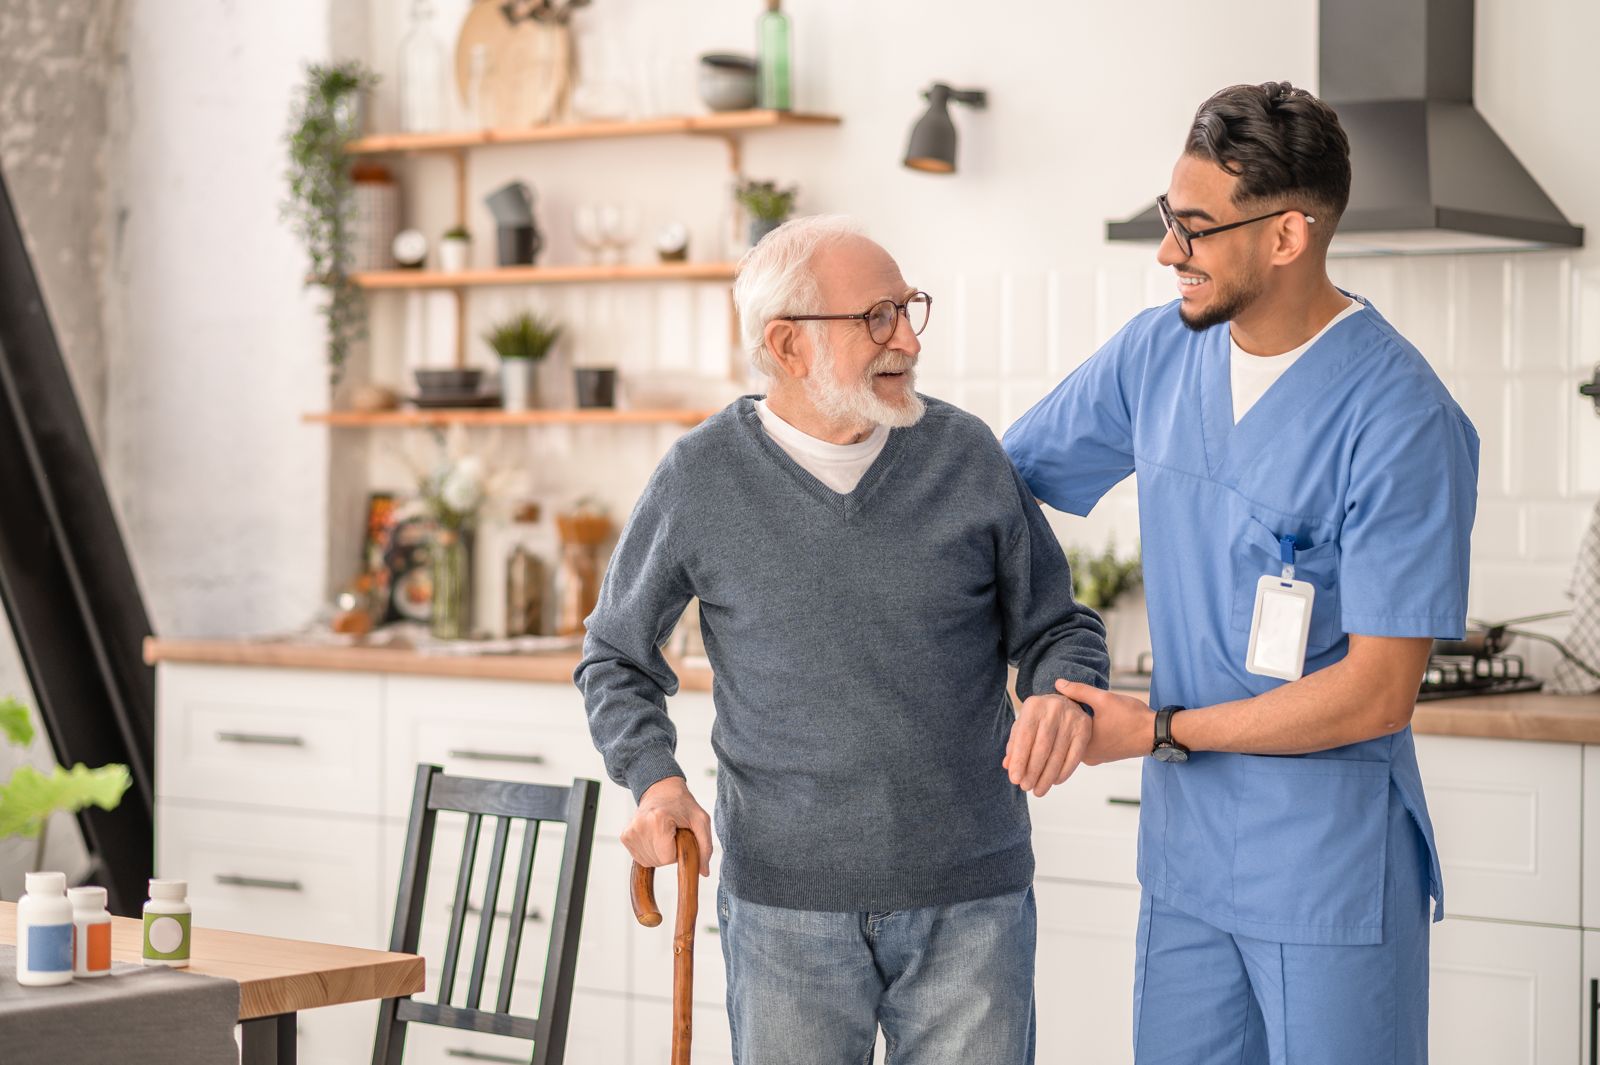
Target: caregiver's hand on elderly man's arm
x=652, y=836
x=1048, y=741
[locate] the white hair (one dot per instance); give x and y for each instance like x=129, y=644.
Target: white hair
x=775, y=278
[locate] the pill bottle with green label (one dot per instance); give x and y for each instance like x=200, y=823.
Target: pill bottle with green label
x=166, y=924
x=44, y=931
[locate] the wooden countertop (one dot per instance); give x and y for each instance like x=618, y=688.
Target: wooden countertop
x=274, y=975
x=1529, y=716
x=552, y=668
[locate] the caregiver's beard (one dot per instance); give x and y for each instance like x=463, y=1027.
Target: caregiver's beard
x=1229, y=302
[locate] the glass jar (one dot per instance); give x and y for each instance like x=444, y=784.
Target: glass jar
x=451, y=558
x=421, y=69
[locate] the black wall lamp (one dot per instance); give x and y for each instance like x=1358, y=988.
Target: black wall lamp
x=933, y=138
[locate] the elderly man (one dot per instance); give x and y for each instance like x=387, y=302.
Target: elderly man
x=867, y=562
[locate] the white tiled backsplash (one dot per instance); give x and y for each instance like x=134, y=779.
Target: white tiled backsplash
x=1511, y=335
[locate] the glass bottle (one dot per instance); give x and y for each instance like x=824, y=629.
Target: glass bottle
x=421, y=73
x=524, y=593
x=773, y=34
x=480, y=110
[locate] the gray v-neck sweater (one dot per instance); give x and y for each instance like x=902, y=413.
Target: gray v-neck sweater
x=859, y=645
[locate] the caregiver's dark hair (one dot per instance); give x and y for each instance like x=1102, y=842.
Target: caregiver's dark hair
x=1285, y=145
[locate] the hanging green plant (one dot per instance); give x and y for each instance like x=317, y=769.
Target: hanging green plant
x=325, y=118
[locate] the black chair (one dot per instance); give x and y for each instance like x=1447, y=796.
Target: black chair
x=504, y=802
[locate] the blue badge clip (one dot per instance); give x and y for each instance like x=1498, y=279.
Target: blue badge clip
x=1286, y=555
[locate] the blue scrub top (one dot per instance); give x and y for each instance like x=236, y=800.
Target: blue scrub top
x=1359, y=453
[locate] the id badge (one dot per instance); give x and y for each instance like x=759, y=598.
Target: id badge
x=1279, y=628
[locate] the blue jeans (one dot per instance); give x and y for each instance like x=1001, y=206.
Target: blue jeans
x=950, y=985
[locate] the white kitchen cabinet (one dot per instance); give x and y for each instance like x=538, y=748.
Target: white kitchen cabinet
x=275, y=873
x=1507, y=817
x=504, y=730
x=1504, y=994
x=1084, y=981
x=269, y=737
x=1591, y=837
x=1088, y=828
x=1589, y=997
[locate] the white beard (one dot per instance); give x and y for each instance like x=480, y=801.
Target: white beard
x=858, y=404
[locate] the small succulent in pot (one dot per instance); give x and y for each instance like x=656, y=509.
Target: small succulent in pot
x=455, y=249
x=769, y=206
x=521, y=341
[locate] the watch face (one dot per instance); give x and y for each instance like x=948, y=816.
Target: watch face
x=1170, y=754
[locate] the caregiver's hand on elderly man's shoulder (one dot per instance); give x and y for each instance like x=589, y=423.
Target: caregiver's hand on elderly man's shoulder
x=1048, y=741
x=652, y=836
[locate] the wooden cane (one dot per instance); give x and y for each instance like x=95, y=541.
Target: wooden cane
x=643, y=894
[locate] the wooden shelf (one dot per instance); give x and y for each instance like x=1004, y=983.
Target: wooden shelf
x=410, y=419
x=722, y=124
x=543, y=275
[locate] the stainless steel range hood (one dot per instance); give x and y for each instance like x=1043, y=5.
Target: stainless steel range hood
x=1430, y=175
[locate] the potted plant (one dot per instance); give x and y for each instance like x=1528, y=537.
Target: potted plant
x=768, y=205
x=521, y=341
x=455, y=249
x=30, y=797
x=1099, y=581
x=327, y=115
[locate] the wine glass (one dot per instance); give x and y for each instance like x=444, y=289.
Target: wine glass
x=589, y=231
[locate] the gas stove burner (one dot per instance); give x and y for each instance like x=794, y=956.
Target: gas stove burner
x=1456, y=676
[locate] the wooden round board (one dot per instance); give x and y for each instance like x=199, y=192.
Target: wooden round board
x=529, y=66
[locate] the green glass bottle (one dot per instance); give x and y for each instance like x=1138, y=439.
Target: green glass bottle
x=773, y=33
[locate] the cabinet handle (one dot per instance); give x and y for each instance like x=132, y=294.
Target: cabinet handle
x=534, y=914
x=1594, y=1019
x=478, y=1055
x=1115, y=800
x=261, y=739
x=498, y=756
x=232, y=880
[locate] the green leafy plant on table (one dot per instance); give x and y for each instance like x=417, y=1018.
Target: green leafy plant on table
x=30, y=797
x=326, y=117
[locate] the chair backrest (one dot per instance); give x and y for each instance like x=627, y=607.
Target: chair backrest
x=503, y=802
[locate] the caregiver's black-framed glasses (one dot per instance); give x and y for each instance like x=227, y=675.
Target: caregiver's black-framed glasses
x=1186, y=236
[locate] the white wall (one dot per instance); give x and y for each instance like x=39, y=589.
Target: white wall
x=1089, y=104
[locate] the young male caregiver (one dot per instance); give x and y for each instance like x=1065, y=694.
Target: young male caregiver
x=1274, y=421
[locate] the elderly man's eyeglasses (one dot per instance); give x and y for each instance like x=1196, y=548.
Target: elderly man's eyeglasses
x=1186, y=236
x=882, y=318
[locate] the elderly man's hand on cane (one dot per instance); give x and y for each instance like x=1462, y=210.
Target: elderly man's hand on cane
x=666, y=806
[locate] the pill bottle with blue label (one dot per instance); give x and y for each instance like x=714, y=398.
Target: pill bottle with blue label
x=166, y=924
x=44, y=931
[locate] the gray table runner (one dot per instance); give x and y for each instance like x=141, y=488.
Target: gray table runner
x=135, y=1016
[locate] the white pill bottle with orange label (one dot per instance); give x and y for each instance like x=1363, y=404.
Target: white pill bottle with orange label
x=166, y=924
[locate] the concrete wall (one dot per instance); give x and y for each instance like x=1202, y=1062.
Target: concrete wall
x=56, y=57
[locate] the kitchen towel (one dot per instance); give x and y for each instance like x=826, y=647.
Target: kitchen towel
x=1583, y=641
x=135, y=1016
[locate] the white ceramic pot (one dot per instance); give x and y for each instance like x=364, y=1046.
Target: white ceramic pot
x=517, y=384
x=453, y=254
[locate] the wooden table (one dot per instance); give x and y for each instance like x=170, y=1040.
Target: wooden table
x=276, y=977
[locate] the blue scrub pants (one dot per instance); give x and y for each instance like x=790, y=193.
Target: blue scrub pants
x=1203, y=996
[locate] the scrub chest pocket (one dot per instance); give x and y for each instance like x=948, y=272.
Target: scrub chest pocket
x=1256, y=553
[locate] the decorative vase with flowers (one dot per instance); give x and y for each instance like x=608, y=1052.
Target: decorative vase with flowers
x=452, y=493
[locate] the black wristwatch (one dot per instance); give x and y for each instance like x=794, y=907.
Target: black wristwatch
x=1168, y=749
